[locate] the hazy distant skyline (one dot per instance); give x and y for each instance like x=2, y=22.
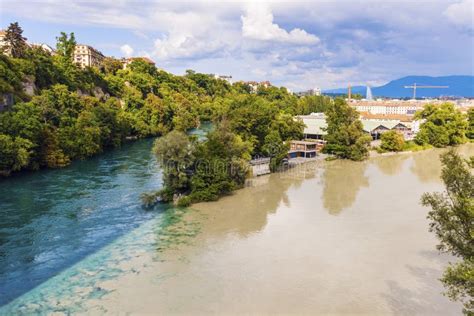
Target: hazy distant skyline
x=301, y=45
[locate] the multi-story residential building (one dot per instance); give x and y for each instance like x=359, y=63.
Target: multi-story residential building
x=128, y=61
x=87, y=56
x=387, y=107
x=314, y=91
x=3, y=49
x=254, y=85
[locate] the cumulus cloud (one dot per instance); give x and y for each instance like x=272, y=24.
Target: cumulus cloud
x=127, y=50
x=258, y=24
x=461, y=14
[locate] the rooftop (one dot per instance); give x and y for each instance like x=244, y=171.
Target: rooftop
x=316, y=125
x=384, y=117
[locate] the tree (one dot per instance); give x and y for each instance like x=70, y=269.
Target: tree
x=444, y=125
x=175, y=153
x=275, y=148
x=309, y=104
x=452, y=218
x=65, y=45
x=111, y=65
x=14, y=153
x=14, y=40
x=470, y=129
x=392, y=141
x=345, y=135
x=221, y=164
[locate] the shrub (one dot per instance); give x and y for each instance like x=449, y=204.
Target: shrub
x=392, y=141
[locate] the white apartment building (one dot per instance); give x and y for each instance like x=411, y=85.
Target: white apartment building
x=44, y=47
x=387, y=108
x=127, y=61
x=3, y=43
x=87, y=56
x=227, y=78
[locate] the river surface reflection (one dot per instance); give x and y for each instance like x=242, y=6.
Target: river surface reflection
x=335, y=237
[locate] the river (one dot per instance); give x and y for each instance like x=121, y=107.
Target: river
x=326, y=237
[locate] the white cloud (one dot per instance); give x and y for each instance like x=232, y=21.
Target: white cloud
x=258, y=24
x=461, y=14
x=127, y=50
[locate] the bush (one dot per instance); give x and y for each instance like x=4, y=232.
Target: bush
x=392, y=141
x=184, y=201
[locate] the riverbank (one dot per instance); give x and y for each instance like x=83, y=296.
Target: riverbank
x=329, y=237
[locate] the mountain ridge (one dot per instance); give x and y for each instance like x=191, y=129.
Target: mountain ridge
x=459, y=86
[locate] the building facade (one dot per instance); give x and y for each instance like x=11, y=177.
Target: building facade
x=227, y=78
x=302, y=149
x=127, y=61
x=387, y=108
x=315, y=126
x=3, y=44
x=87, y=56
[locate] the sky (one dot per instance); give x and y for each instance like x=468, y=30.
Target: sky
x=297, y=44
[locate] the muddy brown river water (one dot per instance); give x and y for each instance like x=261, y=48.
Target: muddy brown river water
x=334, y=237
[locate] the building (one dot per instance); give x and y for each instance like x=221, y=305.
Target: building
x=315, y=126
x=260, y=166
x=128, y=61
x=44, y=47
x=302, y=149
x=87, y=56
x=255, y=85
x=314, y=91
x=387, y=107
x=3, y=44
x=224, y=77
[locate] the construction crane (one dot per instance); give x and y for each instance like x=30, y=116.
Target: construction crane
x=415, y=86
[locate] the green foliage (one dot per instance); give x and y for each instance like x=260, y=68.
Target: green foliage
x=313, y=104
x=452, y=217
x=470, y=128
x=275, y=148
x=443, y=126
x=175, y=153
x=412, y=146
x=65, y=45
x=139, y=65
x=15, y=153
x=15, y=43
x=345, y=136
x=110, y=65
x=392, y=141
x=221, y=164
x=184, y=201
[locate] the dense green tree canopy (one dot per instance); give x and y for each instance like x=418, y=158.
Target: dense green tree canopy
x=14, y=41
x=443, y=125
x=392, y=141
x=345, y=135
x=470, y=128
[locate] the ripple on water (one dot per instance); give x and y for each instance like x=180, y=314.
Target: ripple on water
x=51, y=219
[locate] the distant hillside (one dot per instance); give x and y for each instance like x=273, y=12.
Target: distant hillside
x=460, y=86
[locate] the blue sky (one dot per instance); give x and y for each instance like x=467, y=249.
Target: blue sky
x=300, y=45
